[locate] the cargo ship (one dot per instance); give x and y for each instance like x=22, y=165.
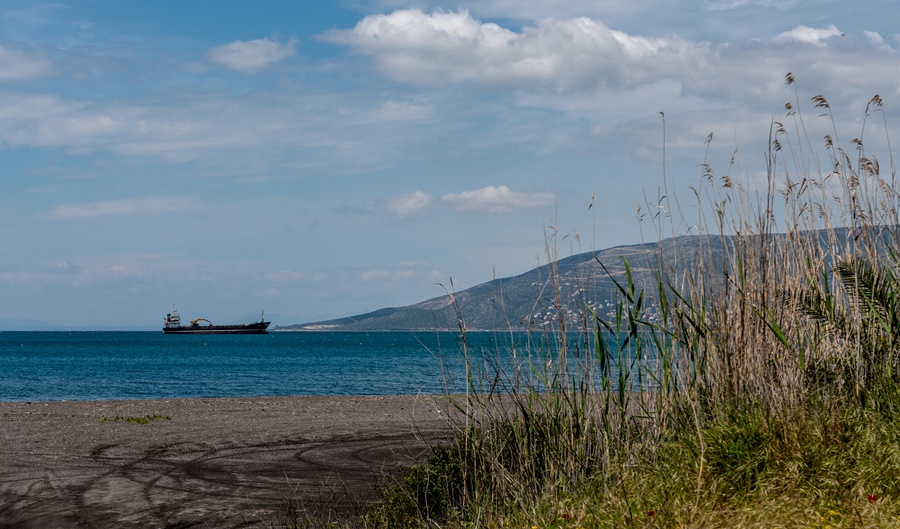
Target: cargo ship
x=173, y=326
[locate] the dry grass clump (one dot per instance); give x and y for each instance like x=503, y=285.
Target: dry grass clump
x=762, y=392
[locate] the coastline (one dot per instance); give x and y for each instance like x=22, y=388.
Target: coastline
x=219, y=462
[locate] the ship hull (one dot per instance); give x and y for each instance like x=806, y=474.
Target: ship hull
x=250, y=328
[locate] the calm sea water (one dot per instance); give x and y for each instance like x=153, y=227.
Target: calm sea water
x=44, y=366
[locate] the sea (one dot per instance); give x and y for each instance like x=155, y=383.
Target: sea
x=56, y=366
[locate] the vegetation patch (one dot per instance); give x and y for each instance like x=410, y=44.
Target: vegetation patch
x=753, y=382
x=145, y=419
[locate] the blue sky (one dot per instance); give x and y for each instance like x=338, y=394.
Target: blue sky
x=319, y=159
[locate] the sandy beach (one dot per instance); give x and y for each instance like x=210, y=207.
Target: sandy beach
x=203, y=463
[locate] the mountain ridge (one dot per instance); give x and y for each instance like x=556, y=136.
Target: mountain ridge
x=574, y=288
x=526, y=300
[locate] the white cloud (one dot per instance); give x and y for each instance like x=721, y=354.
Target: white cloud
x=570, y=75
x=402, y=111
x=808, y=35
x=37, y=120
x=78, y=272
x=287, y=276
x=16, y=65
x=388, y=275
x=251, y=56
x=552, y=61
x=453, y=47
x=118, y=208
x=874, y=37
x=375, y=275
x=499, y=199
x=530, y=9
x=408, y=205
x=399, y=207
x=318, y=129
x=727, y=5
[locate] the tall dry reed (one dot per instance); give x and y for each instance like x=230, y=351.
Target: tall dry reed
x=758, y=361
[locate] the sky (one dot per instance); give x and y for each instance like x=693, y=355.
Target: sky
x=324, y=159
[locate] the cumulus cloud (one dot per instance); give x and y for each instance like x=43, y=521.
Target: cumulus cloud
x=408, y=205
x=874, y=37
x=118, y=208
x=550, y=61
x=251, y=56
x=497, y=199
x=374, y=129
x=398, y=207
x=531, y=9
x=453, y=47
x=808, y=35
x=16, y=65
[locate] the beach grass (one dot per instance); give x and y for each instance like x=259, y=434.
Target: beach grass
x=136, y=419
x=759, y=389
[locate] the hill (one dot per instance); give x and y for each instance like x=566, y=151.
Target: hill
x=533, y=300
x=528, y=300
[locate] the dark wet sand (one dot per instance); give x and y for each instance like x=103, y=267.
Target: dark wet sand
x=218, y=463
